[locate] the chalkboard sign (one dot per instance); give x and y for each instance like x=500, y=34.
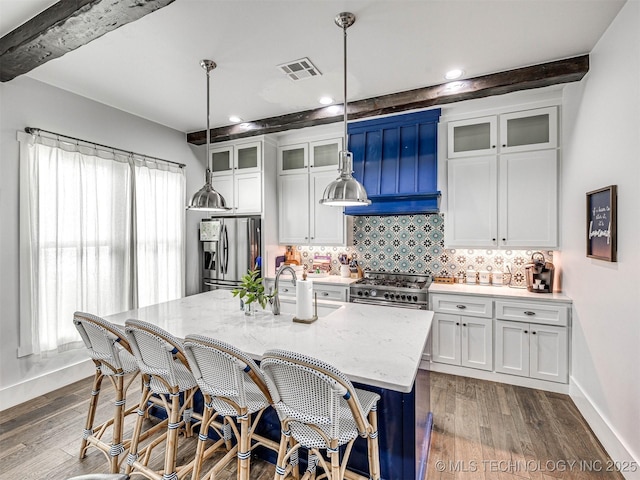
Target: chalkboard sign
x=601, y=223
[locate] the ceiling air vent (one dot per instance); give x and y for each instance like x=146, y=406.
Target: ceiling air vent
x=300, y=69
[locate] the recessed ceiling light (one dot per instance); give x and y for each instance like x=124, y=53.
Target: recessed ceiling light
x=235, y=119
x=453, y=74
x=326, y=100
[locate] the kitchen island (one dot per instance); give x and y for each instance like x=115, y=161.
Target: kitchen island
x=378, y=348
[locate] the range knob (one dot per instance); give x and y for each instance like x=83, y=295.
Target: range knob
x=366, y=293
x=359, y=293
x=373, y=293
x=402, y=296
x=386, y=295
x=397, y=296
x=415, y=298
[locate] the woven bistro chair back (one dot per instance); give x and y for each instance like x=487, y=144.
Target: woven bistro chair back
x=226, y=373
x=112, y=356
x=160, y=355
x=320, y=408
x=106, y=344
x=235, y=388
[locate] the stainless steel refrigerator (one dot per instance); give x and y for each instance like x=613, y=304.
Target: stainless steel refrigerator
x=229, y=248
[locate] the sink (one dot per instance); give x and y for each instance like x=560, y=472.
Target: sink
x=288, y=307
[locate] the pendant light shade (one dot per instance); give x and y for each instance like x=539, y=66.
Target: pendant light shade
x=207, y=199
x=345, y=191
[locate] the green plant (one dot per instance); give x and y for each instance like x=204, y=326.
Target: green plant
x=252, y=290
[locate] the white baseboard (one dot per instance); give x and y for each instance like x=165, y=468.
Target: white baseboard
x=496, y=377
x=616, y=448
x=34, y=387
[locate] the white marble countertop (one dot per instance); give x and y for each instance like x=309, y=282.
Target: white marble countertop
x=374, y=345
x=329, y=279
x=498, y=292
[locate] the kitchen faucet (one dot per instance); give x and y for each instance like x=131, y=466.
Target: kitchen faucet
x=275, y=300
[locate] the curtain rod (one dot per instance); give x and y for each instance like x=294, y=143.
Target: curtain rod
x=37, y=131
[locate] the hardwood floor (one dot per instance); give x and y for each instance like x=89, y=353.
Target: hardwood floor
x=482, y=430
x=488, y=430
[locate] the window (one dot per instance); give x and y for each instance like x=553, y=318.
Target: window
x=101, y=232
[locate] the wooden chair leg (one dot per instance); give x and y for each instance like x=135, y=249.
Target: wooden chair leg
x=372, y=446
x=282, y=451
x=117, y=448
x=334, y=455
x=93, y=405
x=244, y=450
x=202, y=442
x=171, y=447
x=135, y=438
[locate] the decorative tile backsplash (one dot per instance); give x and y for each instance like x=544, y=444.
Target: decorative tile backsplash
x=415, y=244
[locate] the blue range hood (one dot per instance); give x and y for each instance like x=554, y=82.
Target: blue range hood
x=396, y=159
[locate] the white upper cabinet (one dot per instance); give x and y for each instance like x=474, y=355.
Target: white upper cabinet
x=305, y=170
x=529, y=130
x=472, y=187
x=472, y=137
x=293, y=159
x=528, y=199
x=506, y=133
x=502, y=181
x=236, y=170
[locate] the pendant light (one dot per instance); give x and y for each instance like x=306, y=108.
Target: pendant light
x=345, y=191
x=207, y=199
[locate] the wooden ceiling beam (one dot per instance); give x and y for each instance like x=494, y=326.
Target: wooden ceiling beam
x=63, y=27
x=536, y=76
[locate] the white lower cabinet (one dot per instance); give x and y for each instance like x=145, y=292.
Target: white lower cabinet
x=523, y=338
x=464, y=339
x=460, y=340
x=286, y=288
x=532, y=350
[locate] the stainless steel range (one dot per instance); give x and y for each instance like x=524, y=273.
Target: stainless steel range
x=393, y=289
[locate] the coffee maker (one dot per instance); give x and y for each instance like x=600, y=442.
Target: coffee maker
x=539, y=274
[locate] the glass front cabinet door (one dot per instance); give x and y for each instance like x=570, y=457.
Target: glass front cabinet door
x=472, y=137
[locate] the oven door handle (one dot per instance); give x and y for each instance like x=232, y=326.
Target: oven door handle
x=412, y=306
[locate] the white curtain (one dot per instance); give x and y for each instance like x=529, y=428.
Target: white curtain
x=159, y=231
x=95, y=219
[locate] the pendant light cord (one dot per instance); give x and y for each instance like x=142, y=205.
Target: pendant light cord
x=344, y=69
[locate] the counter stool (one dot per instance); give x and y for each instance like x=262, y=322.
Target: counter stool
x=166, y=374
x=320, y=408
x=113, y=359
x=233, y=384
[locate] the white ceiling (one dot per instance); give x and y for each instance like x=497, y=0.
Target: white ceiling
x=150, y=67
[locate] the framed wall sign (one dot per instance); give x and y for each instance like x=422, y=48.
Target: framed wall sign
x=601, y=223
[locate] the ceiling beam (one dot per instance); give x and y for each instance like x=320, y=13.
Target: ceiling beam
x=63, y=27
x=536, y=76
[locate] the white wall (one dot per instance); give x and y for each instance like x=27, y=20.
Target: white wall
x=602, y=147
x=27, y=102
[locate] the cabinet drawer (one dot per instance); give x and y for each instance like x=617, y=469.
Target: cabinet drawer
x=462, y=305
x=330, y=292
x=544, y=313
x=325, y=292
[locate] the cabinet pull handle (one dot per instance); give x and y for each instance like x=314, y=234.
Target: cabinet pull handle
x=461, y=307
x=285, y=289
x=504, y=145
x=326, y=294
x=457, y=323
x=529, y=313
x=493, y=146
x=526, y=331
x=493, y=239
x=504, y=239
x=464, y=324
x=533, y=333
